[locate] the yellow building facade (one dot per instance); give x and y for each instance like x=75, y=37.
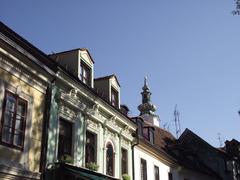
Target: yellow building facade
x=24, y=81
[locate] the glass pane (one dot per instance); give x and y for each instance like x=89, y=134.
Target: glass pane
x=84, y=73
x=21, y=108
x=65, y=138
x=8, y=119
x=6, y=135
x=110, y=160
x=19, y=123
x=17, y=138
x=10, y=104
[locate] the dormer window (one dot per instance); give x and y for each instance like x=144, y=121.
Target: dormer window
x=148, y=133
x=151, y=135
x=85, y=74
x=114, y=97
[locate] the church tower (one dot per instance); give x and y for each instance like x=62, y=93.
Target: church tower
x=147, y=108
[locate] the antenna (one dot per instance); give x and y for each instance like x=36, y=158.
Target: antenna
x=220, y=139
x=177, y=121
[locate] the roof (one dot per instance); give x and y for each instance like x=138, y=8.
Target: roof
x=189, y=134
x=163, y=137
x=76, y=49
x=93, y=91
x=187, y=156
x=108, y=77
x=37, y=53
x=46, y=60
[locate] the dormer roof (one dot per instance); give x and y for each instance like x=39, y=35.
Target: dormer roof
x=109, y=77
x=77, y=49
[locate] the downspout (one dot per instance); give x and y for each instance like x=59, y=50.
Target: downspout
x=136, y=135
x=45, y=128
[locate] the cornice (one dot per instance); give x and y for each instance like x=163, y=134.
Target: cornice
x=19, y=73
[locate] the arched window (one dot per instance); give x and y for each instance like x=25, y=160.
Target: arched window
x=110, y=160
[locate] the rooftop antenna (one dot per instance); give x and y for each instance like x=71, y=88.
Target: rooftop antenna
x=177, y=121
x=220, y=139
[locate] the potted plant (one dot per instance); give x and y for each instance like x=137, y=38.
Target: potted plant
x=66, y=159
x=92, y=166
x=126, y=177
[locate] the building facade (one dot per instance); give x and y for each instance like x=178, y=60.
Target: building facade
x=24, y=82
x=57, y=121
x=86, y=125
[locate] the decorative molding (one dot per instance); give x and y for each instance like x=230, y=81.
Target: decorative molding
x=124, y=142
x=24, y=52
x=92, y=124
x=66, y=111
x=17, y=72
x=94, y=111
x=18, y=173
x=72, y=100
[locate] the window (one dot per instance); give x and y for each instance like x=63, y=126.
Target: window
x=143, y=169
x=13, y=121
x=110, y=160
x=114, y=97
x=65, y=138
x=170, y=176
x=151, y=135
x=140, y=127
x=124, y=161
x=85, y=75
x=156, y=172
x=90, y=148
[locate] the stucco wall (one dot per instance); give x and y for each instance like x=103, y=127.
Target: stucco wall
x=151, y=161
x=27, y=159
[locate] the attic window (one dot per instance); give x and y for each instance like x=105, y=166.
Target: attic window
x=114, y=97
x=151, y=135
x=85, y=75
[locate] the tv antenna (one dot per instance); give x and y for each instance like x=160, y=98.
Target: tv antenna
x=220, y=139
x=166, y=126
x=177, y=121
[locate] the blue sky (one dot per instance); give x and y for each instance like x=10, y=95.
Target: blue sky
x=188, y=49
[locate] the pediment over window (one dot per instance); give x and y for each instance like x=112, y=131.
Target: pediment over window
x=108, y=87
x=78, y=62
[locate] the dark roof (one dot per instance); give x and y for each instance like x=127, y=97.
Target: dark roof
x=163, y=138
x=76, y=49
x=108, y=77
x=189, y=134
x=187, y=157
x=37, y=53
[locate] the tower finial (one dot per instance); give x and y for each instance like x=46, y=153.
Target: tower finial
x=145, y=86
x=147, y=108
x=145, y=80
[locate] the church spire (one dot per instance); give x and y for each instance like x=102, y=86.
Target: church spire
x=147, y=108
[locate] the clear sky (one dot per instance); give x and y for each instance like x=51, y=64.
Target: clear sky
x=189, y=50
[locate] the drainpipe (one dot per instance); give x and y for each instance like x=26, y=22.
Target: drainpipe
x=135, y=135
x=46, y=118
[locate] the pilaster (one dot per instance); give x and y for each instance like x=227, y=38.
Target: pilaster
x=53, y=126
